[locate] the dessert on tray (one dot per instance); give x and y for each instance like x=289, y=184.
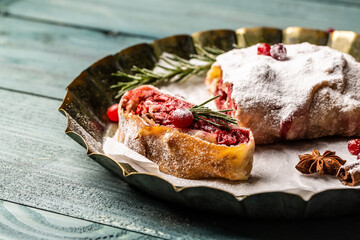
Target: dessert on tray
x=174, y=134
x=313, y=92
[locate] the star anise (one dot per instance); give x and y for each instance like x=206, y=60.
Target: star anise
x=328, y=163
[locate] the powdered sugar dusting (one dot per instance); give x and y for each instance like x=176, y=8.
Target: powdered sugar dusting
x=356, y=167
x=181, y=113
x=285, y=86
x=113, y=147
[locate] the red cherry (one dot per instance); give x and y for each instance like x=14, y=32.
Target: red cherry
x=278, y=51
x=112, y=113
x=263, y=49
x=354, y=146
x=330, y=30
x=182, y=118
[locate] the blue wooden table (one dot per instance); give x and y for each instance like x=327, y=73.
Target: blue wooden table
x=49, y=188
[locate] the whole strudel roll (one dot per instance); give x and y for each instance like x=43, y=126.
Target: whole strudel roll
x=313, y=92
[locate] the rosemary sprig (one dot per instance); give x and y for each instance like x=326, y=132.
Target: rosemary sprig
x=205, y=114
x=175, y=69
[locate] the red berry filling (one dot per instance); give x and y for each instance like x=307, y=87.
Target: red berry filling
x=263, y=49
x=354, y=146
x=330, y=30
x=170, y=111
x=160, y=107
x=225, y=101
x=235, y=137
x=285, y=127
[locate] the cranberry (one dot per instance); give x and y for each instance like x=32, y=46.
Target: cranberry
x=330, y=30
x=358, y=157
x=263, y=49
x=278, y=51
x=182, y=118
x=354, y=146
x=112, y=113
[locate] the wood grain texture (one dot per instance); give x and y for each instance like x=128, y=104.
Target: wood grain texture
x=43, y=59
x=161, y=17
x=41, y=167
x=5, y=3
x=21, y=222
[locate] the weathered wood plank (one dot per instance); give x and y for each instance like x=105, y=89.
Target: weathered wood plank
x=43, y=58
x=21, y=222
x=43, y=168
x=5, y=3
x=161, y=18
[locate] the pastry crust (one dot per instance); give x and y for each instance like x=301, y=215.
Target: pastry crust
x=181, y=154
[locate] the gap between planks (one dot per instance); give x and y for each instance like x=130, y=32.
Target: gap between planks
x=113, y=231
x=31, y=94
x=42, y=59
x=100, y=30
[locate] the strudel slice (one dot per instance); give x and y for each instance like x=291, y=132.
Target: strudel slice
x=199, y=150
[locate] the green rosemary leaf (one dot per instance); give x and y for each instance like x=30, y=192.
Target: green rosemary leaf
x=176, y=69
x=211, y=122
x=206, y=114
